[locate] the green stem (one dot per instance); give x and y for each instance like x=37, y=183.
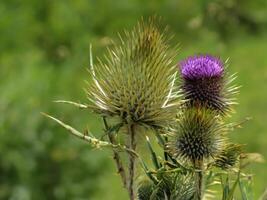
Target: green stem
x=199, y=186
x=116, y=155
x=90, y=139
x=131, y=161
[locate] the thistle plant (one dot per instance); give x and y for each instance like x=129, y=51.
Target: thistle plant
x=199, y=137
x=135, y=84
x=135, y=90
x=201, y=132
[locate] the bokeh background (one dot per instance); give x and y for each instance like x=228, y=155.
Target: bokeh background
x=44, y=53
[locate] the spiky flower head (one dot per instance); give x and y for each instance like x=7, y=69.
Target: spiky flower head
x=206, y=84
x=229, y=156
x=136, y=81
x=199, y=135
x=173, y=187
x=145, y=189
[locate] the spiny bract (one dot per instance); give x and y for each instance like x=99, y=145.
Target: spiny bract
x=199, y=135
x=137, y=79
x=206, y=84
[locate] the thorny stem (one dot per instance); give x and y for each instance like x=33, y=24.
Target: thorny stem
x=99, y=143
x=162, y=142
x=131, y=162
x=198, y=164
x=90, y=139
x=116, y=155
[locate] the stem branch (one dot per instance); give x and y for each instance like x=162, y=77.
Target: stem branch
x=91, y=139
x=131, y=161
x=198, y=164
x=116, y=155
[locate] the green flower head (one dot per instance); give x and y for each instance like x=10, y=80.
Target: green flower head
x=229, y=156
x=199, y=135
x=136, y=80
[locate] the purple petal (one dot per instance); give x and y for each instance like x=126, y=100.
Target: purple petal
x=202, y=66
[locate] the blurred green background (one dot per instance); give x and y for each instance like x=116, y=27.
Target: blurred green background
x=44, y=48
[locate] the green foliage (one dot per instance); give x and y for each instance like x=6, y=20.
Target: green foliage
x=32, y=164
x=226, y=16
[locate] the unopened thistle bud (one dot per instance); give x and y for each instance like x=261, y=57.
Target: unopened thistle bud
x=205, y=83
x=199, y=135
x=173, y=187
x=229, y=156
x=145, y=189
x=136, y=82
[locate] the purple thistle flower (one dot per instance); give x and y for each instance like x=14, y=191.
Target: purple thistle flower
x=204, y=83
x=199, y=67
